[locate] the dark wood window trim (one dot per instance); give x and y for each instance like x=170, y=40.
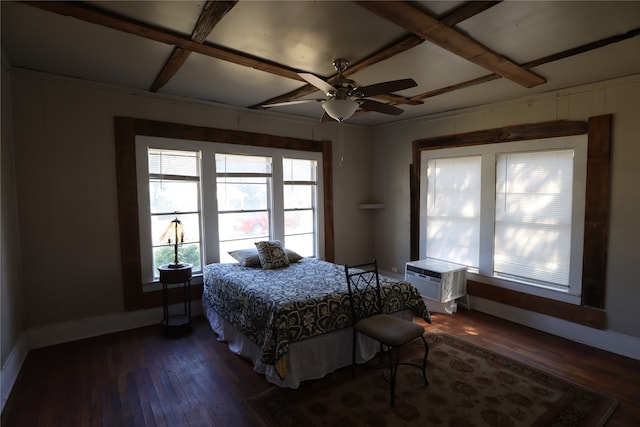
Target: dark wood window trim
x=126, y=129
x=598, y=129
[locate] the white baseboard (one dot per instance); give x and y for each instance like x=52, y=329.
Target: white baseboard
x=392, y=274
x=607, y=340
x=99, y=325
x=11, y=368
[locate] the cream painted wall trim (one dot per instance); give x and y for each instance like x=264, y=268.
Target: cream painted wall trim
x=100, y=325
x=606, y=340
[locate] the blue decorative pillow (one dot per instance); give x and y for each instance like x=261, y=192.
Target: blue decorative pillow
x=272, y=254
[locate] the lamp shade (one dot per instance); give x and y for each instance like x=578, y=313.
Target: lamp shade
x=174, y=234
x=340, y=109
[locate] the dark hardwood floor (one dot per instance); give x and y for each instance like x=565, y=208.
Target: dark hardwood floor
x=141, y=378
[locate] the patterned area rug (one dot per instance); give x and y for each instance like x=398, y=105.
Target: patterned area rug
x=468, y=386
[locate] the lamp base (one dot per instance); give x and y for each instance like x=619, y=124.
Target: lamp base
x=176, y=265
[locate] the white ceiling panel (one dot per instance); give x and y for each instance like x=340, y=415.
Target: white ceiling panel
x=305, y=35
x=429, y=65
x=226, y=83
x=180, y=16
x=594, y=66
x=527, y=30
x=100, y=54
x=273, y=39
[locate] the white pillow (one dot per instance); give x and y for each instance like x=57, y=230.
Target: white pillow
x=246, y=257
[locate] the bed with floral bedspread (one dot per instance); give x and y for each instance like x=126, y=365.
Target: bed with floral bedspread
x=276, y=307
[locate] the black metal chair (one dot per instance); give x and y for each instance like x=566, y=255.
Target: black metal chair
x=368, y=319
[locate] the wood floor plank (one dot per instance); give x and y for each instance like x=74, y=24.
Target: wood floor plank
x=142, y=378
x=616, y=375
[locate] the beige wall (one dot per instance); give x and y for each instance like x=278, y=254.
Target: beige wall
x=66, y=186
x=619, y=97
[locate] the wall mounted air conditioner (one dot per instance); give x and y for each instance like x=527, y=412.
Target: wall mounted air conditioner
x=439, y=281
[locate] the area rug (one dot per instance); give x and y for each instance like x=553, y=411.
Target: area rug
x=468, y=386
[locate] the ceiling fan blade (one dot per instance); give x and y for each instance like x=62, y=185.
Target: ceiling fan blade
x=317, y=82
x=387, y=87
x=380, y=107
x=299, y=101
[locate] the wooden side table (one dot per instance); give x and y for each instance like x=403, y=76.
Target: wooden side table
x=171, y=275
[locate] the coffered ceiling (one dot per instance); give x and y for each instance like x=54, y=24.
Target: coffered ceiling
x=248, y=53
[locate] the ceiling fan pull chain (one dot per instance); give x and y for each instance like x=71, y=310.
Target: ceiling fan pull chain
x=341, y=142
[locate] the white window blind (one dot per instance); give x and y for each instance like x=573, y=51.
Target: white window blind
x=174, y=192
x=533, y=216
x=453, y=209
x=173, y=163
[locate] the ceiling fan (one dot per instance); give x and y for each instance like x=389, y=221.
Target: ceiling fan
x=344, y=96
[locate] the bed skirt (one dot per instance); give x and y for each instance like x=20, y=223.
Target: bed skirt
x=310, y=359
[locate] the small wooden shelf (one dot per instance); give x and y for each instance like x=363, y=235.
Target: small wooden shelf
x=371, y=206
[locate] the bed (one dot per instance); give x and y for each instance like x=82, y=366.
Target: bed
x=294, y=323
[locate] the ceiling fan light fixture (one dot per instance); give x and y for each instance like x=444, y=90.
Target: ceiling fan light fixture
x=340, y=109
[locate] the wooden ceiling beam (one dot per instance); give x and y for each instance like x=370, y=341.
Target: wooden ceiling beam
x=98, y=16
x=451, y=18
x=88, y=13
x=583, y=48
x=535, y=63
x=212, y=13
x=418, y=22
x=466, y=11
x=457, y=86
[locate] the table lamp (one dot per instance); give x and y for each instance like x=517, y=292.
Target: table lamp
x=174, y=234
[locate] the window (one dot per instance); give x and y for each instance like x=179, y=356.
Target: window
x=132, y=184
x=174, y=192
x=226, y=198
x=453, y=210
x=244, y=193
x=533, y=217
x=512, y=212
x=300, y=204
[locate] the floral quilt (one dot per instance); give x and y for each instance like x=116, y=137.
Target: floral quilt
x=276, y=307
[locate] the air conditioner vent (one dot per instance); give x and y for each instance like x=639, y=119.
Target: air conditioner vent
x=437, y=280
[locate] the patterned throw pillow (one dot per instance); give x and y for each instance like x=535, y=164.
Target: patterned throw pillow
x=272, y=254
x=249, y=257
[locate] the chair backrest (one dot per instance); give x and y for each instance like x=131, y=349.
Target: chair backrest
x=364, y=290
